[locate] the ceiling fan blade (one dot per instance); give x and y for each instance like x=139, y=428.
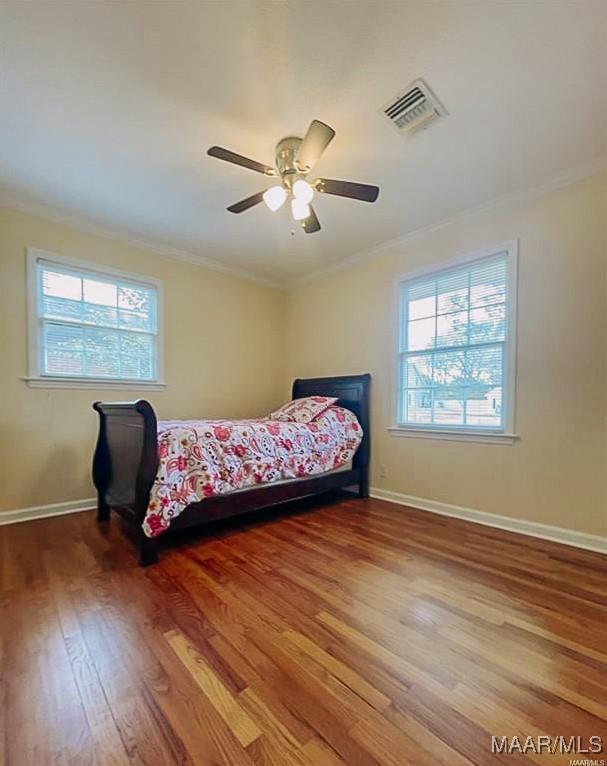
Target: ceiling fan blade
x=245, y=204
x=316, y=140
x=311, y=224
x=225, y=154
x=363, y=192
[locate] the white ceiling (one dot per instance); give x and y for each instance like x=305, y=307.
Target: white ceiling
x=108, y=109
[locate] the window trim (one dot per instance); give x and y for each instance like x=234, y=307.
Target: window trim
x=504, y=435
x=36, y=378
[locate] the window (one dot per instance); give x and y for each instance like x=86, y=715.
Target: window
x=456, y=350
x=91, y=325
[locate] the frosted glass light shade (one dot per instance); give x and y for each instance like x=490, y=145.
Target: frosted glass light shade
x=299, y=209
x=303, y=191
x=275, y=197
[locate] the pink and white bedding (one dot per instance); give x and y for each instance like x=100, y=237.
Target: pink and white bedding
x=303, y=410
x=203, y=458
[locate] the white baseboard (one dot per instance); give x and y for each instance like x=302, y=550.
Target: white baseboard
x=531, y=528
x=44, y=511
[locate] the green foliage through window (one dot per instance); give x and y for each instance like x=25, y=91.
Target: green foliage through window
x=95, y=326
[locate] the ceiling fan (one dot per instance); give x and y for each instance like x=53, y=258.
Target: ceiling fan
x=295, y=158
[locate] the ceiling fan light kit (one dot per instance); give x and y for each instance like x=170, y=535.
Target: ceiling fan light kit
x=303, y=191
x=295, y=158
x=275, y=197
x=299, y=209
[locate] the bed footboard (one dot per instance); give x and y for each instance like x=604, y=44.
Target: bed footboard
x=125, y=465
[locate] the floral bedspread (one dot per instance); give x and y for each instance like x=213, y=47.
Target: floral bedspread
x=202, y=458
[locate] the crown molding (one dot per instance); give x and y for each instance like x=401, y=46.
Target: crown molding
x=562, y=180
x=578, y=173
x=81, y=223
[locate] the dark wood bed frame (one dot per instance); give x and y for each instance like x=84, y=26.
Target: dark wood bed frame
x=126, y=462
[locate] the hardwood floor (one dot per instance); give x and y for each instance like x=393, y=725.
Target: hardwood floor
x=357, y=632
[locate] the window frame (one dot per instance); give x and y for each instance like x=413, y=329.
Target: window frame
x=504, y=435
x=36, y=377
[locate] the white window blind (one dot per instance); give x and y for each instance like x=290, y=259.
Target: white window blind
x=454, y=352
x=95, y=325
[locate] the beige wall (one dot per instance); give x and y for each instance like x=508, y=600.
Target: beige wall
x=555, y=473
x=223, y=356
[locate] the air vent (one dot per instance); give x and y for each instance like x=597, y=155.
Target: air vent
x=415, y=108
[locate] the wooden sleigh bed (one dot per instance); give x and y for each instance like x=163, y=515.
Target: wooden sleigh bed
x=126, y=462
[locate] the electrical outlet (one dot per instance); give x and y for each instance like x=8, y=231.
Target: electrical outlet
x=383, y=471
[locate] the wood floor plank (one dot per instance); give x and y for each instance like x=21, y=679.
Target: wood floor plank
x=342, y=632
x=319, y=752
x=191, y=716
x=340, y=670
x=280, y=746
x=306, y=697
x=225, y=703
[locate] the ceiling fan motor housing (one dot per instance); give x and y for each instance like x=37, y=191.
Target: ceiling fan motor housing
x=286, y=154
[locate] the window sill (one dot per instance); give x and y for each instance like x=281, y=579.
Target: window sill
x=94, y=383
x=483, y=437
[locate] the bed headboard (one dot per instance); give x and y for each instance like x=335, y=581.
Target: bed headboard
x=352, y=392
